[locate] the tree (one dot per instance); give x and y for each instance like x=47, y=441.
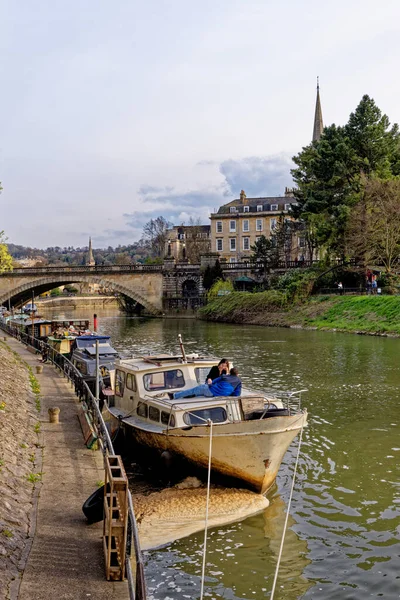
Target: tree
x=263, y=255
x=212, y=274
x=155, y=235
x=6, y=261
x=374, y=226
x=282, y=238
x=331, y=172
x=196, y=242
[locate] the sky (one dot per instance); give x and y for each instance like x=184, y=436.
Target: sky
x=113, y=113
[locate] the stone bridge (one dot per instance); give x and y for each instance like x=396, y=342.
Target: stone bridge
x=149, y=285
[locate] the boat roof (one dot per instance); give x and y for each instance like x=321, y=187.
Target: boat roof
x=162, y=361
x=93, y=337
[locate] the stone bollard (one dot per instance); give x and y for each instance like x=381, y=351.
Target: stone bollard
x=54, y=414
x=39, y=369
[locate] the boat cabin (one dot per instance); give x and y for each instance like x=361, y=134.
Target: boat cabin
x=83, y=355
x=41, y=327
x=79, y=326
x=141, y=389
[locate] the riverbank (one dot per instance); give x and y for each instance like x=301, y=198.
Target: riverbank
x=47, y=551
x=20, y=457
x=373, y=315
x=77, y=302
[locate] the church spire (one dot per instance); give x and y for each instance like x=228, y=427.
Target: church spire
x=318, y=122
x=90, y=258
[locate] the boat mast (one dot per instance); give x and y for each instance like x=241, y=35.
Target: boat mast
x=182, y=348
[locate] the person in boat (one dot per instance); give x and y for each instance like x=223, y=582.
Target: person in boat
x=217, y=370
x=225, y=385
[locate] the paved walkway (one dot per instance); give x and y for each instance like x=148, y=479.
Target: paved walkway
x=66, y=559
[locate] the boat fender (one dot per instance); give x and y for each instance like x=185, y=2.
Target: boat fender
x=93, y=507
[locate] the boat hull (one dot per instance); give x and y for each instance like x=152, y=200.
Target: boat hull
x=249, y=451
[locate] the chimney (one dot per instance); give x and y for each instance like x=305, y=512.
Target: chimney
x=243, y=197
x=289, y=193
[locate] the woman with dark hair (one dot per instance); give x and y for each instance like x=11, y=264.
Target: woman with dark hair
x=217, y=370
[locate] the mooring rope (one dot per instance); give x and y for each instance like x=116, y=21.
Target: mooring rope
x=207, y=505
x=287, y=516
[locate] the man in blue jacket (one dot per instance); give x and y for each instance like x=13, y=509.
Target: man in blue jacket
x=226, y=385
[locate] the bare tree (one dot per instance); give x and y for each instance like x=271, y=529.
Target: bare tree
x=155, y=235
x=373, y=233
x=197, y=242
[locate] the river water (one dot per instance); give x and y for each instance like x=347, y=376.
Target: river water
x=343, y=539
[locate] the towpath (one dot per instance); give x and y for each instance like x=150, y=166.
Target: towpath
x=66, y=557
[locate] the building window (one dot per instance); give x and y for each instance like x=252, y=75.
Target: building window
x=232, y=225
x=272, y=224
x=218, y=227
x=258, y=238
x=232, y=209
x=246, y=243
x=246, y=208
x=232, y=259
x=288, y=206
x=274, y=207
x=246, y=225
x=259, y=207
x=302, y=242
x=232, y=243
x=259, y=224
x=220, y=245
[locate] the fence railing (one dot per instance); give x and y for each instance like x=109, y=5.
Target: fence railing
x=137, y=583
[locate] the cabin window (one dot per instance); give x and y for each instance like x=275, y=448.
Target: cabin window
x=142, y=409
x=163, y=380
x=198, y=417
x=154, y=413
x=201, y=373
x=119, y=382
x=166, y=417
x=81, y=366
x=131, y=382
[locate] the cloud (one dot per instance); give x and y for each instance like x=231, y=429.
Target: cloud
x=258, y=176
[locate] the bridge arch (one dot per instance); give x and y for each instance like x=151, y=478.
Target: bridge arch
x=49, y=282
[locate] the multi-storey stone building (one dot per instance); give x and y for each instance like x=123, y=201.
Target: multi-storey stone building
x=188, y=242
x=236, y=226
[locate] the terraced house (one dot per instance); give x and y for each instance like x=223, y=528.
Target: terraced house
x=236, y=226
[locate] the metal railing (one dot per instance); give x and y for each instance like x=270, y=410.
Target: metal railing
x=136, y=585
x=85, y=269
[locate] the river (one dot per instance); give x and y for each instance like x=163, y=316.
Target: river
x=344, y=528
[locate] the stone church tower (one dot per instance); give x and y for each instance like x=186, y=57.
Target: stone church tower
x=318, y=122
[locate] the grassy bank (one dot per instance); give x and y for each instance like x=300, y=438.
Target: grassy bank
x=357, y=314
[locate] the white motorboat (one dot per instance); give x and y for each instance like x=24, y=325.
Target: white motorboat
x=251, y=433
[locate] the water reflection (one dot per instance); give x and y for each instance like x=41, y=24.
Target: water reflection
x=345, y=529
